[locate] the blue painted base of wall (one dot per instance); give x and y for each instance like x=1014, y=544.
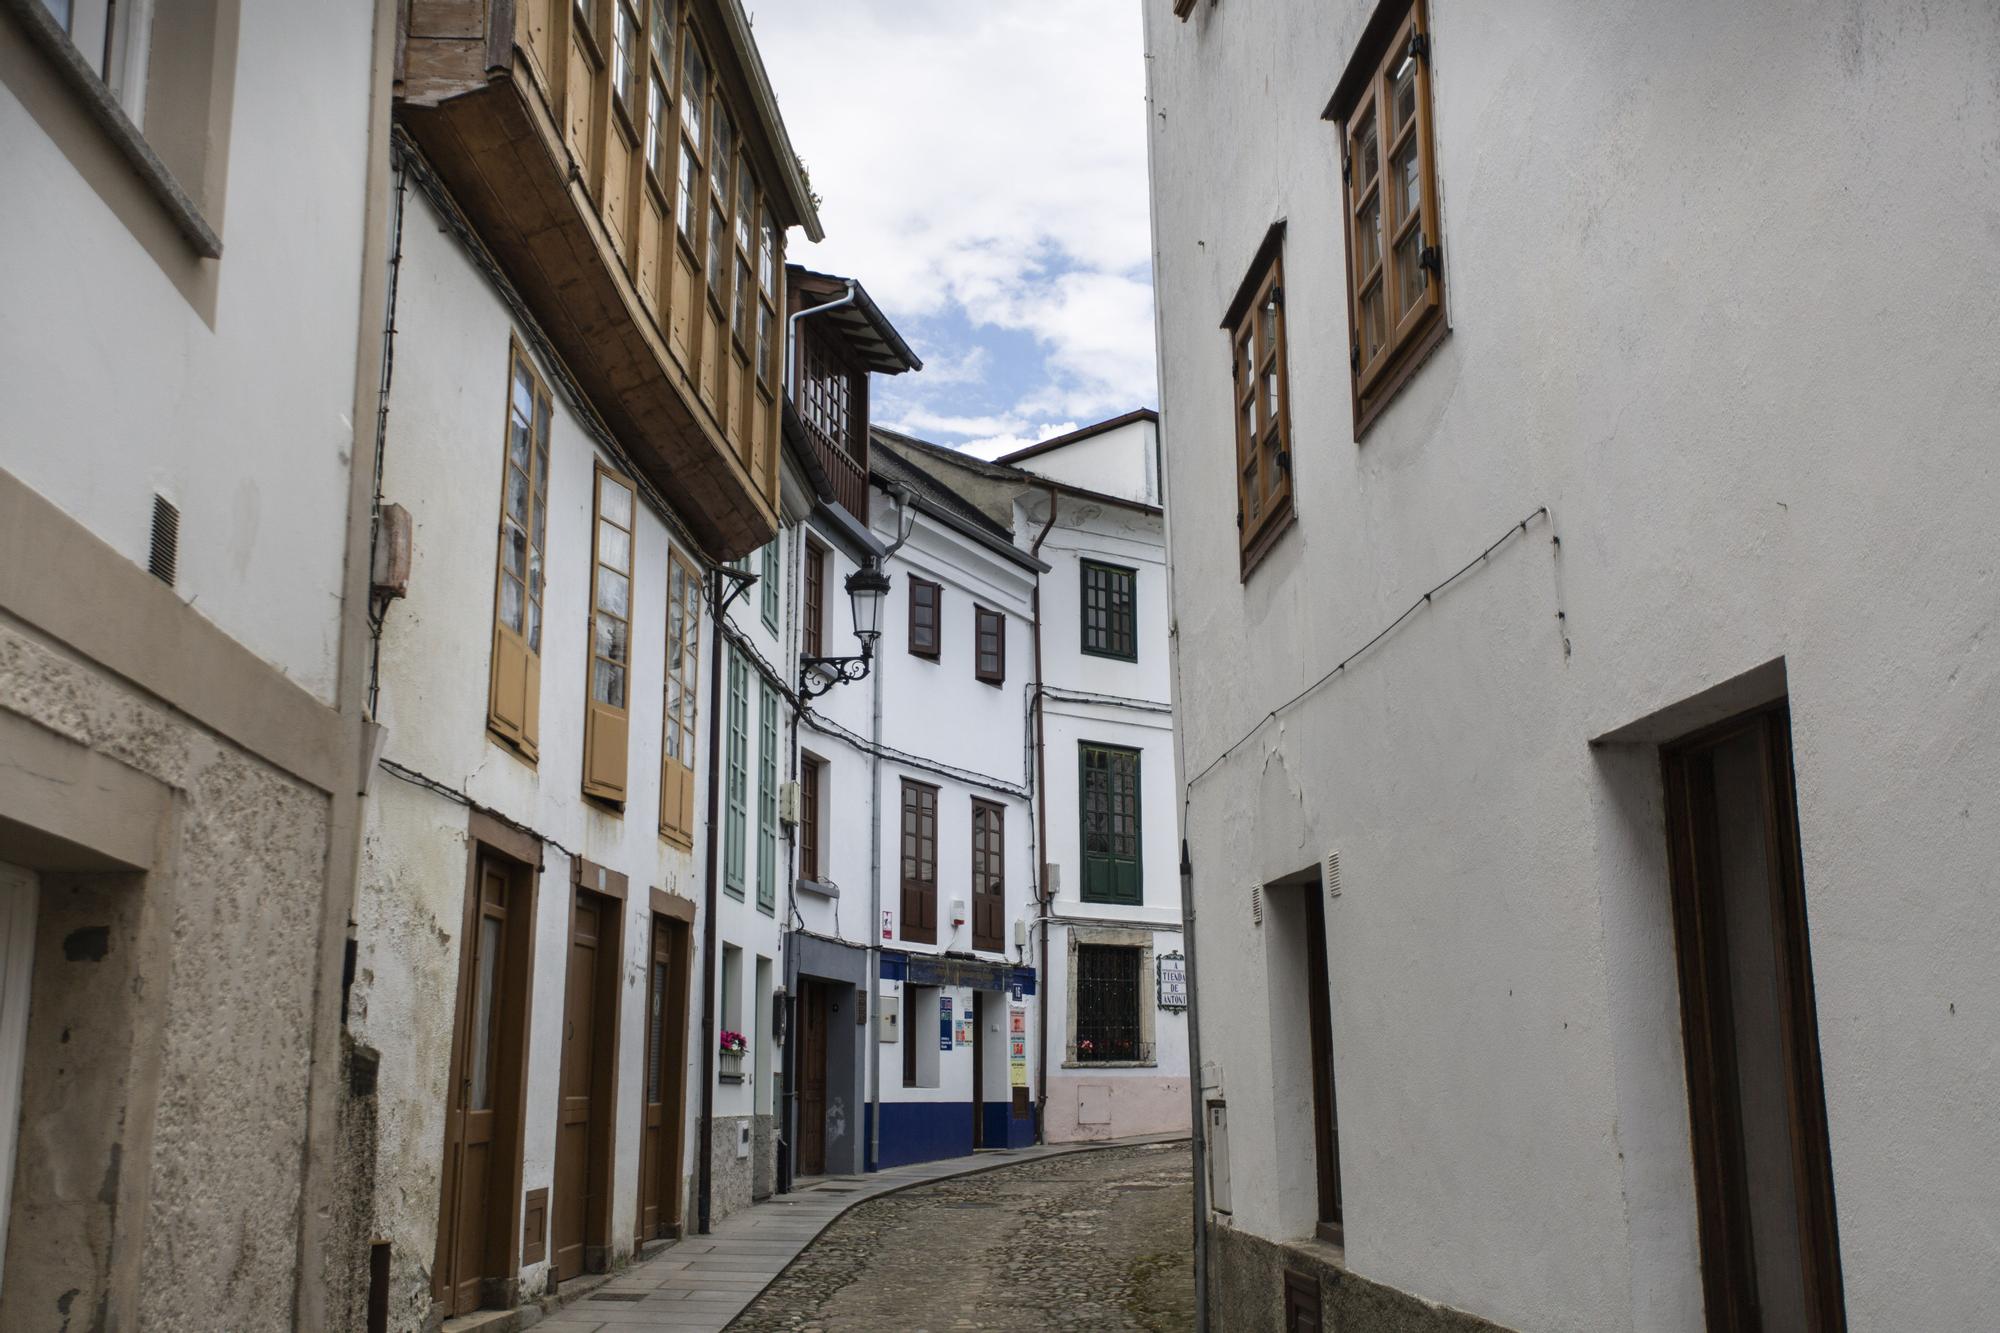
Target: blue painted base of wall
x=928, y=1131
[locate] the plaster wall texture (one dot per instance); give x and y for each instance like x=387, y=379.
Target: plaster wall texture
x=443, y=462
x=1678, y=252
x=190, y=1126
x=231, y=394
x=1123, y=461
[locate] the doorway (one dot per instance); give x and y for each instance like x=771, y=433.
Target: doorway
x=476, y=1258
x=978, y=1070
x=581, y=1198
x=1757, y=1109
x=661, y=1120
x=814, y=1017
x=1326, y=1107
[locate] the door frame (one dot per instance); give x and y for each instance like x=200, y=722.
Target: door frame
x=601, y=1162
x=1721, y=1203
x=675, y=915
x=815, y=1015
x=519, y=855
x=978, y=1070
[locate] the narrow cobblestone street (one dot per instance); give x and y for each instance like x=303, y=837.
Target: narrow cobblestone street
x=1096, y=1240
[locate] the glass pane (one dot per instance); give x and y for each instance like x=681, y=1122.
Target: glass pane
x=1403, y=95
x=742, y=299
x=1247, y=364
x=685, y=208
x=1368, y=238
x=607, y=684
x=746, y=208
x=767, y=255
x=517, y=440
x=510, y=602
x=542, y=443
x=673, y=696
x=535, y=573
x=1267, y=321
x=1404, y=183
x=655, y=1030
x=624, y=52
x=1372, y=322
x=614, y=593
x=720, y=156
x=517, y=496
x=1363, y=160
x=614, y=546
x=656, y=112
x=541, y=525
x=764, y=343
x=484, y=1013
x=535, y=626
x=694, y=89
x=612, y=639
x=718, y=233
x=523, y=401
x=1409, y=278
x=614, y=502
x=663, y=33
x=1249, y=426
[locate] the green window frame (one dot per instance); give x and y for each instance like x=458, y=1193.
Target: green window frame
x=767, y=801
x=1109, y=600
x=735, y=819
x=773, y=560
x=1108, y=810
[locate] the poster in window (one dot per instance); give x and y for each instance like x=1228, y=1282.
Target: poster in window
x=944, y=1022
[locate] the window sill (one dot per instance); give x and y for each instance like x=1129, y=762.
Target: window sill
x=1401, y=371
x=71, y=67
x=513, y=748
x=1111, y=1064
x=1254, y=553
x=1109, y=656
x=818, y=887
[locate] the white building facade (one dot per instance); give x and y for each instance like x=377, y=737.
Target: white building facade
x=1585, y=724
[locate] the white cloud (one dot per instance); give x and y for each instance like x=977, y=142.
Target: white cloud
x=987, y=162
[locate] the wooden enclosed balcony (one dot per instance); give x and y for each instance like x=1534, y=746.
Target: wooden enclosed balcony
x=624, y=162
x=843, y=338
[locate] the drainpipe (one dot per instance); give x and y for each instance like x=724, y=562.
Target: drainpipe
x=792, y=329
x=1199, y=1124
x=874, y=996
x=1047, y=913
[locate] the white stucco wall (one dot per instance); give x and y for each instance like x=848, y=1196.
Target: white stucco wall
x=119, y=386
x=1719, y=286
x=1122, y=461
x=443, y=462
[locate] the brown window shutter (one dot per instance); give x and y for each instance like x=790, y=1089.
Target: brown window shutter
x=531, y=701
x=687, y=802
x=605, y=742
x=507, y=698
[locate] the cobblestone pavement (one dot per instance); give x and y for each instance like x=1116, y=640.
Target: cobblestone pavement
x=1097, y=1240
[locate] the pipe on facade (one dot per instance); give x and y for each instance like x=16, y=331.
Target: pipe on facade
x=1046, y=914
x=874, y=996
x=792, y=329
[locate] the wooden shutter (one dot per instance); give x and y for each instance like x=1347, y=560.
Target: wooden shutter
x=989, y=879
x=919, y=862
x=677, y=724
x=607, y=710
x=1109, y=787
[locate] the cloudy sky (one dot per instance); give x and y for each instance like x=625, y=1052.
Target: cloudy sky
x=983, y=171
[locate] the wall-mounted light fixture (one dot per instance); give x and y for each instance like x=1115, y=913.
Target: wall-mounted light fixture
x=867, y=590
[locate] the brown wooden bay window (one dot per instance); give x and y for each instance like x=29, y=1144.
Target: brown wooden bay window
x=1395, y=310
x=919, y=858
x=1261, y=402
x=989, y=642
x=926, y=617
x=607, y=713
x=514, y=687
x=677, y=742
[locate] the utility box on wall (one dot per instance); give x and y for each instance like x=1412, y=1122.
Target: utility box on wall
x=888, y=1023
x=1218, y=1157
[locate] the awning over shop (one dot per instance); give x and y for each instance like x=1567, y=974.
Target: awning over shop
x=929, y=969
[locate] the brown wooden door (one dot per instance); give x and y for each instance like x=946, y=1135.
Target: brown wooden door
x=471, y=1171
x=579, y=1114
x=812, y=1079
x=1770, y=1254
x=978, y=1069
x=653, y=1115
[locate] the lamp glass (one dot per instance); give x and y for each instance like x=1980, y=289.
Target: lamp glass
x=867, y=589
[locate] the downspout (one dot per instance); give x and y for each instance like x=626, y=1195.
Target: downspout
x=874, y=997
x=704, y=1167
x=788, y=968
x=792, y=330
x=1047, y=913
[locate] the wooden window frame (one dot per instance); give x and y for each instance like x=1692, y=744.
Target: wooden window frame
x=520, y=649
x=1106, y=644
x=812, y=854
x=736, y=743
x=1084, y=751
x=989, y=872
x=678, y=736
x=927, y=647
x=607, y=726
x=1259, y=355
x=984, y=620
x=812, y=632
x=767, y=799
x=917, y=854
x=1398, y=34
x=691, y=195
x=769, y=591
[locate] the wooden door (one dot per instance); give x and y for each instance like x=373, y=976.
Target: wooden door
x=582, y=1112
x=473, y=1175
x=653, y=1151
x=978, y=1070
x=812, y=1079
x=1770, y=1255
x=1326, y=1108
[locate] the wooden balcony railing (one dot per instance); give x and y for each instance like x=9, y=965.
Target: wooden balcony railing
x=848, y=477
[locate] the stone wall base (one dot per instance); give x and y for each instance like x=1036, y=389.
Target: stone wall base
x=729, y=1175
x=1246, y=1291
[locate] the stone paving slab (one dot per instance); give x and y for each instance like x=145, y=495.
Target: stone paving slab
x=700, y=1284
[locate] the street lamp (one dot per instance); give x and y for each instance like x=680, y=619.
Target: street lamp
x=867, y=590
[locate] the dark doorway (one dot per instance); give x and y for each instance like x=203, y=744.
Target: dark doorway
x=581, y=1195
x=1326, y=1111
x=482, y=1162
x=814, y=1000
x=978, y=1070
x=1770, y=1257
x=660, y=1130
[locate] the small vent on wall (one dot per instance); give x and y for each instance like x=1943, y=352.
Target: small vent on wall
x=166, y=553
x=1330, y=874
x=1256, y=904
